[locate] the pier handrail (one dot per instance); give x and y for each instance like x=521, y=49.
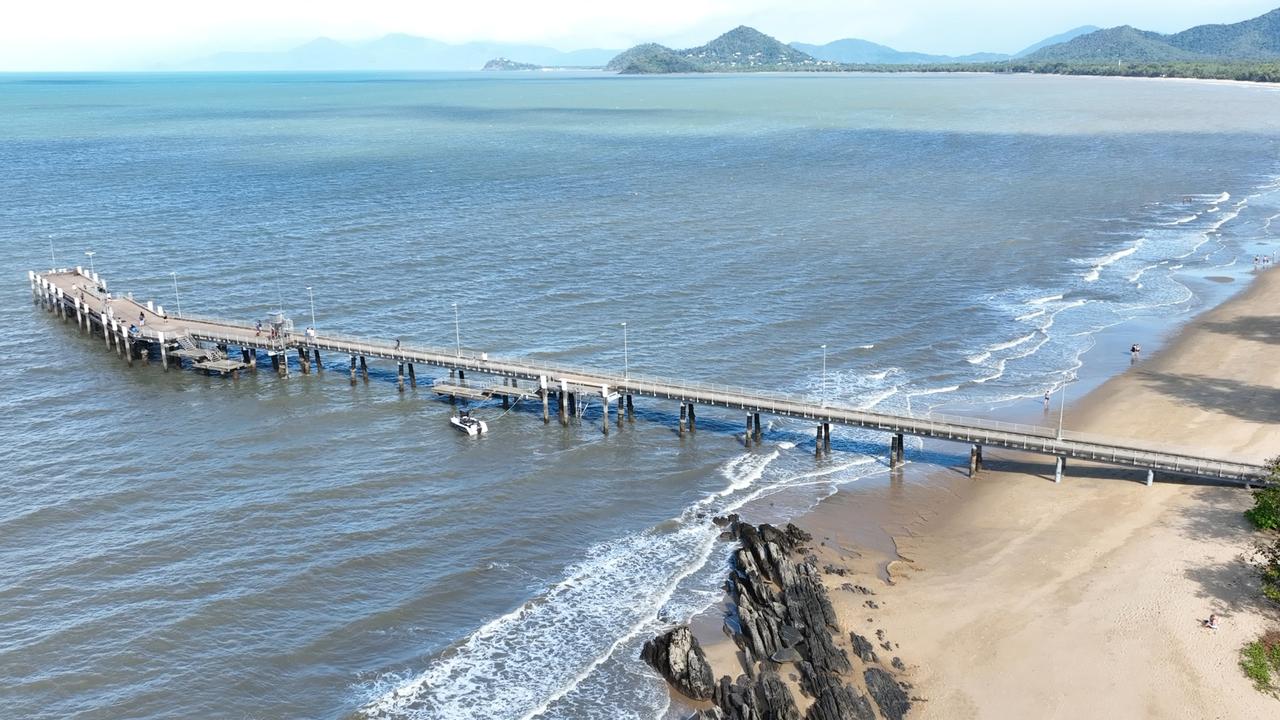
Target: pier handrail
x=796, y=405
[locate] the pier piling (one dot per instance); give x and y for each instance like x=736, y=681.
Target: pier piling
x=973, y=460
x=1060, y=469
x=364, y=369
x=826, y=438
x=400, y=376
x=1151, y=477
x=683, y=409
x=693, y=420
x=316, y=354
x=413, y=379
x=353, y=370
x=303, y=362
x=604, y=404
x=758, y=433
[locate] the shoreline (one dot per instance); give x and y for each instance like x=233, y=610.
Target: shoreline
x=1083, y=596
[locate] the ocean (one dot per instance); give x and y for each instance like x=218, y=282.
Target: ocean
x=173, y=545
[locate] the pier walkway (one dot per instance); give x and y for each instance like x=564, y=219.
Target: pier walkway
x=82, y=296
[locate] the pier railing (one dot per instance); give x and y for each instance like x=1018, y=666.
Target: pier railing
x=933, y=425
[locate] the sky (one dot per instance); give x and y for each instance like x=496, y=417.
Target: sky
x=143, y=34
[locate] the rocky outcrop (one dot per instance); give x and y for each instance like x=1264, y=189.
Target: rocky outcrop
x=888, y=694
x=677, y=655
x=783, y=619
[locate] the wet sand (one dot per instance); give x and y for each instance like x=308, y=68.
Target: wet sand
x=1011, y=596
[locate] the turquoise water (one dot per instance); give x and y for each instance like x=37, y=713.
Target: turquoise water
x=172, y=545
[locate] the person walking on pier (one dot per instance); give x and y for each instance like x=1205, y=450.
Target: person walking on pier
x=397, y=344
x=257, y=327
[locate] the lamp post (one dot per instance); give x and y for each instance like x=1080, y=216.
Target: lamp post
x=457, y=333
x=312, y=295
x=626, y=369
x=176, y=297
x=86, y=252
x=824, y=376
x=52, y=256
x=1062, y=409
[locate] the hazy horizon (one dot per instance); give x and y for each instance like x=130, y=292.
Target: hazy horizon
x=153, y=35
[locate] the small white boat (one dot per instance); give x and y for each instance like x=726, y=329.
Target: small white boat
x=467, y=424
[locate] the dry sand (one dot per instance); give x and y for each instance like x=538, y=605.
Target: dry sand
x=1018, y=598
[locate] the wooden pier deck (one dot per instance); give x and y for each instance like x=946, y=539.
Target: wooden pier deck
x=72, y=293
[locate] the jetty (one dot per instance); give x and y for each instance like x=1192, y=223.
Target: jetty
x=141, y=331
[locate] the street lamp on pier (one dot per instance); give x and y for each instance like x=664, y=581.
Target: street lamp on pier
x=90, y=254
x=824, y=376
x=626, y=368
x=176, y=297
x=312, y=295
x=457, y=332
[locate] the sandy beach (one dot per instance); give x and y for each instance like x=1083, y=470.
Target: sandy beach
x=1015, y=597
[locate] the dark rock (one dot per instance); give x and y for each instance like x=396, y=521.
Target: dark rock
x=678, y=657
x=711, y=713
x=887, y=646
x=840, y=703
x=834, y=570
x=884, y=689
x=785, y=655
x=898, y=664
x=790, y=636
x=863, y=648
x=871, y=604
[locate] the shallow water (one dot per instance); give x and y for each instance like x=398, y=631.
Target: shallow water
x=173, y=545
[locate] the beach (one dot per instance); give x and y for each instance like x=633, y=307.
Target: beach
x=1011, y=596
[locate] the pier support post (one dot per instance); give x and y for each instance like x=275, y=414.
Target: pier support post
x=573, y=404
x=1060, y=469
x=413, y=379
x=758, y=435
x=400, y=376
x=896, y=451
x=315, y=352
x=826, y=438
x=164, y=352
x=621, y=403
x=106, y=331
x=563, y=399
x=79, y=317
x=543, y=392
x=353, y=370
x=364, y=369
x=973, y=460
x=245, y=356
x=1151, y=477
x=683, y=409
x=127, y=345
x=746, y=436
x=979, y=450
x=303, y=362
x=253, y=360
x=604, y=404
x=462, y=374
x=693, y=420
x=631, y=409
x=817, y=442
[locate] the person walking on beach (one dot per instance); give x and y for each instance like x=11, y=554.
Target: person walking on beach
x=1046, y=399
x=1134, y=351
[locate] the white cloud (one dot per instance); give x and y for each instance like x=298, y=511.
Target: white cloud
x=90, y=34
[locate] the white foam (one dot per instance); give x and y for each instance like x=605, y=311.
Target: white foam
x=865, y=347
x=1135, y=277
x=1222, y=198
x=1183, y=220
x=1213, y=209
x=520, y=663
x=979, y=358
x=1102, y=262
x=1012, y=343
x=934, y=391
x=1030, y=315
x=786, y=445
x=1043, y=300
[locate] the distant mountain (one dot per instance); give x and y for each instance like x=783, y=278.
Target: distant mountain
x=397, y=52
x=1256, y=39
x=508, y=65
x=651, y=58
x=741, y=49
x=746, y=48
x=1122, y=43
x=1250, y=40
x=1058, y=39
x=863, y=52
